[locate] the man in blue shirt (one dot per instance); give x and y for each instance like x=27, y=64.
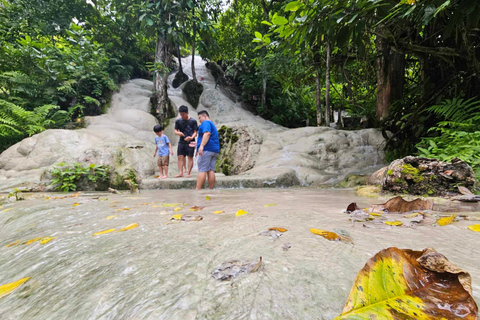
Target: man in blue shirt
x=208, y=149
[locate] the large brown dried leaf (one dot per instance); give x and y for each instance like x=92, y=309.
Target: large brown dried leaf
x=397, y=204
x=406, y=284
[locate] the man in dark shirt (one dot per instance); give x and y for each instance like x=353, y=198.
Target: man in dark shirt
x=186, y=128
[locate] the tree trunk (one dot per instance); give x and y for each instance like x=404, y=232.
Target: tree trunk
x=162, y=55
x=180, y=67
x=263, y=102
x=390, y=78
x=318, y=90
x=194, y=26
x=327, y=86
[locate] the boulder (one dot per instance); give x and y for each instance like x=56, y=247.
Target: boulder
x=180, y=77
x=423, y=176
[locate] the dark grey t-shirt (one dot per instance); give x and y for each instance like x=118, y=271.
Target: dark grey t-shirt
x=187, y=127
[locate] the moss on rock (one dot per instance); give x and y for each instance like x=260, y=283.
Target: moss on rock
x=193, y=90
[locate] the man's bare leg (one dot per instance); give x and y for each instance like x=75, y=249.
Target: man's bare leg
x=211, y=179
x=190, y=166
x=201, y=179
x=180, y=166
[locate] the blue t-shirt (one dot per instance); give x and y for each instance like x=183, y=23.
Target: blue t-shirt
x=162, y=144
x=213, y=145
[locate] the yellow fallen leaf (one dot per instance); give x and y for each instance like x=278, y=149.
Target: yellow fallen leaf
x=412, y=215
x=196, y=208
x=155, y=206
x=177, y=209
x=176, y=217
x=112, y=205
x=446, y=220
x=46, y=240
x=103, y=232
x=32, y=241
x=129, y=227
x=278, y=229
x=7, y=209
x=13, y=243
x=270, y=205
x=120, y=209
x=75, y=204
x=10, y=287
x=47, y=198
x=102, y=199
x=394, y=223
x=218, y=212
x=375, y=214
x=474, y=227
x=326, y=234
x=110, y=217
x=208, y=198
x=171, y=204
x=240, y=213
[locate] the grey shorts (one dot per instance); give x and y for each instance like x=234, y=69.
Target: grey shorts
x=207, y=162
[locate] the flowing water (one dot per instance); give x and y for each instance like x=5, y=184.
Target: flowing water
x=164, y=271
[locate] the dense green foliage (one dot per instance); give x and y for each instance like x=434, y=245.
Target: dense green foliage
x=60, y=61
x=67, y=177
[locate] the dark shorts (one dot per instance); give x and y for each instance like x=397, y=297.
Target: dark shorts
x=184, y=150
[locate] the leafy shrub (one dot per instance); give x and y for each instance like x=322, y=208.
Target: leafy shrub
x=459, y=137
x=66, y=177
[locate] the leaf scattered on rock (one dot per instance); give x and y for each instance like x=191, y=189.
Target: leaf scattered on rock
x=240, y=213
x=171, y=205
x=129, y=227
x=407, y=284
x=397, y=204
x=464, y=191
x=352, y=207
x=229, y=270
x=394, y=223
x=177, y=209
x=196, y=208
x=103, y=232
x=278, y=229
x=331, y=236
x=446, y=220
x=208, y=198
x=122, y=209
x=273, y=233
x=474, y=227
x=10, y=287
x=218, y=212
x=270, y=205
x=176, y=217
x=187, y=218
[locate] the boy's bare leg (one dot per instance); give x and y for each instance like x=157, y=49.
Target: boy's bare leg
x=201, y=179
x=180, y=166
x=211, y=179
x=190, y=166
x=165, y=169
x=160, y=168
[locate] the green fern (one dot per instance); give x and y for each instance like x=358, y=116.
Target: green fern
x=458, y=110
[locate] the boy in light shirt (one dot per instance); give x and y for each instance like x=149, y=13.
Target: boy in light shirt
x=162, y=150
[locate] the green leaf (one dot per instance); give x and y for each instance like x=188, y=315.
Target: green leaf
x=258, y=35
x=279, y=20
x=267, y=23
x=293, y=6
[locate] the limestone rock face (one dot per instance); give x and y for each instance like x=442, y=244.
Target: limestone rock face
x=423, y=176
x=122, y=138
